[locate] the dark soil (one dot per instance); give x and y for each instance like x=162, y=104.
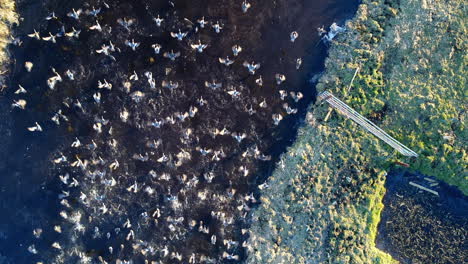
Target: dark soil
x=419, y=227
x=30, y=183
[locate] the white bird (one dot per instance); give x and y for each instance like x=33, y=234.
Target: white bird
x=61, y=33
x=70, y=75
x=170, y=84
x=239, y=136
x=263, y=104
x=114, y=165
x=288, y=109
x=96, y=27
x=280, y=78
x=93, y=12
x=97, y=97
x=277, y=118
x=202, y=22
x=60, y=159
x=134, y=76
x=76, y=143
x=152, y=83
x=293, y=36
x=213, y=85
x=20, y=90
x=234, y=93
x=259, y=81
x=244, y=171
x=202, y=101
x=181, y=116
x=192, y=111
x=156, y=123
x=64, y=178
x=98, y=127
x=21, y=104
x=133, y=188
x=171, y=55
x=158, y=21
x=217, y=27
x=75, y=13
x=226, y=61
x=298, y=63
x=35, y=35
x=296, y=96
x=199, y=47
x=204, y=151
x=179, y=35
x=230, y=256
x=163, y=158
x=32, y=249
x=52, y=81
x=51, y=38
x=16, y=41
x=251, y=111
x=124, y=115
x=51, y=16
x=157, y=48
x=28, y=65
x=73, y=34
x=283, y=94
x=321, y=30
x=252, y=67
x=36, y=127
x=334, y=30
x=56, y=119
x=105, y=84
x=245, y=6
x=56, y=245
x=132, y=44
x=104, y=49
x=236, y=49
x=126, y=23
x=221, y=132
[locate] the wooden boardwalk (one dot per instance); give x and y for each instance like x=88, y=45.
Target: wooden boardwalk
x=347, y=111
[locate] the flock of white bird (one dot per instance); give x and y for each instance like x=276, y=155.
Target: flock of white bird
x=100, y=187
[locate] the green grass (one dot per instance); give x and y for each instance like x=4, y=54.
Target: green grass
x=412, y=83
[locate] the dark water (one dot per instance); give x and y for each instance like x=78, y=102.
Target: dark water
x=419, y=227
x=30, y=183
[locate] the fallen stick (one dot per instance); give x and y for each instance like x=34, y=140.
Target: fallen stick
x=423, y=188
x=351, y=83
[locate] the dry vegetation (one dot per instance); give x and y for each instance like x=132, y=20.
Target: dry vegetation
x=8, y=16
x=324, y=204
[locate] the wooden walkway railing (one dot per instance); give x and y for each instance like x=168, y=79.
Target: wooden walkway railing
x=364, y=122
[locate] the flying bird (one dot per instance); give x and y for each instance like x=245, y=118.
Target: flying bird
x=179, y=35
x=293, y=36
x=252, y=67
x=36, y=127
x=75, y=14
x=245, y=6
x=236, y=49
x=199, y=47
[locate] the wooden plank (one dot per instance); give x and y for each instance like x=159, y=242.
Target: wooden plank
x=423, y=188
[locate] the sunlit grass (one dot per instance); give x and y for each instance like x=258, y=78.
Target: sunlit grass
x=412, y=83
x=8, y=16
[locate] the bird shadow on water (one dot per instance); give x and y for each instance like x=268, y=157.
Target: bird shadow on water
x=30, y=182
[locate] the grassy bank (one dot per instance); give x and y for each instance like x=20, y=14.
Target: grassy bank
x=8, y=16
x=324, y=203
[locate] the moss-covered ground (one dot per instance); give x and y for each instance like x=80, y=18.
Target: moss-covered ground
x=324, y=199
